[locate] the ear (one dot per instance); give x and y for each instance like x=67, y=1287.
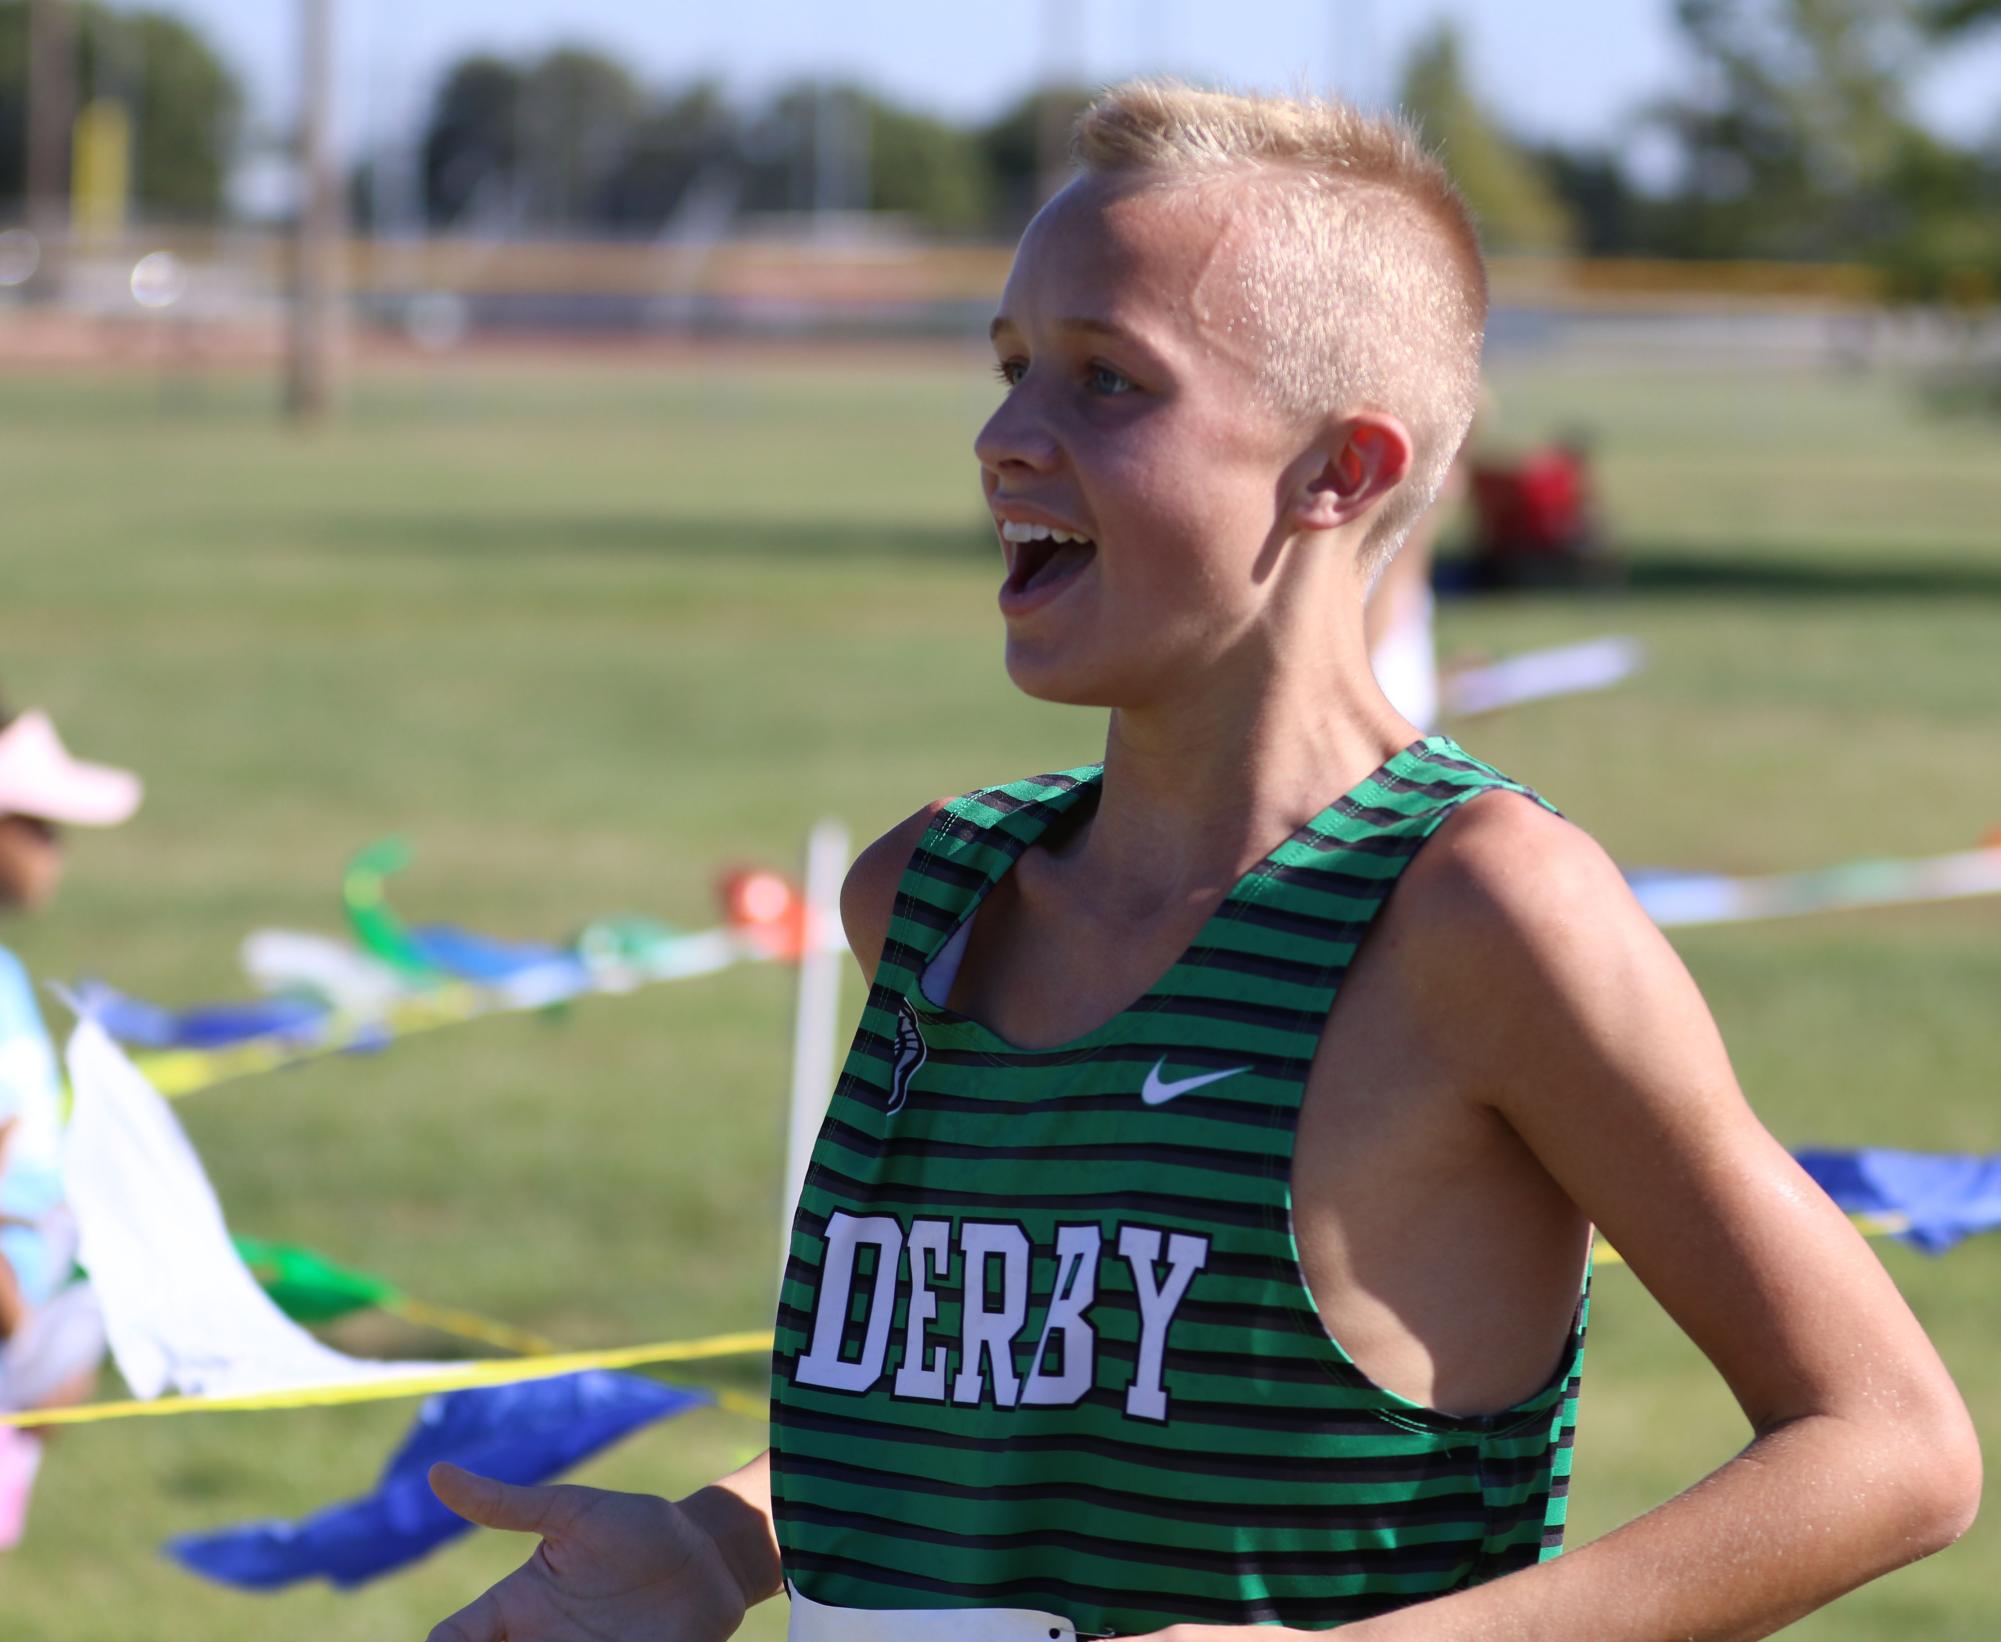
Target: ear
x=1362, y=459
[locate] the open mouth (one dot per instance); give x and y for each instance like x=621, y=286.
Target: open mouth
x=1039, y=557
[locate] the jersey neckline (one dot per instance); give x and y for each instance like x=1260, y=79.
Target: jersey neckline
x=977, y=1035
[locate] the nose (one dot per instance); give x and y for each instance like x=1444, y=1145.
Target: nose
x=1017, y=436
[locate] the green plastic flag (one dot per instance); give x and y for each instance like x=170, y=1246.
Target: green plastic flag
x=308, y=1287
x=376, y=924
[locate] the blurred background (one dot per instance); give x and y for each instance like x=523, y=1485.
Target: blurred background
x=543, y=431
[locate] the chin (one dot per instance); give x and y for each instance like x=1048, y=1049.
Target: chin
x=1067, y=680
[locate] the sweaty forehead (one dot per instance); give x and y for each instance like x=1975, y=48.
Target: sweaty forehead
x=1160, y=257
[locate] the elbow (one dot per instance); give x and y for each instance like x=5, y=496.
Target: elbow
x=1946, y=1481
x=1959, y=1498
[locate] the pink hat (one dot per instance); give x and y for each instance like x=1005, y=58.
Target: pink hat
x=39, y=778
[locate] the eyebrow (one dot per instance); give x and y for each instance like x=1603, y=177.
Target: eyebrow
x=1079, y=322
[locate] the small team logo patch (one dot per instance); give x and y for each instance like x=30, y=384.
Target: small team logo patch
x=910, y=1054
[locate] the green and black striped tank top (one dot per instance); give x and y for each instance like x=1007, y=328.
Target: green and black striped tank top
x=1044, y=1342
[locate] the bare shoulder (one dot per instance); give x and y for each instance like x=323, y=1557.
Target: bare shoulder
x=869, y=891
x=1523, y=921
x=1503, y=872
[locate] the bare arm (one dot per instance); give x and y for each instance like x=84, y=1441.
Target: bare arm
x=869, y=892
x=735, y=1512
x=1593, y=1044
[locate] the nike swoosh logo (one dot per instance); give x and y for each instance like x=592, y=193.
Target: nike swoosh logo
x=1158, y=1091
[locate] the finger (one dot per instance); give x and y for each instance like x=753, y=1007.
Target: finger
x=494, y=1504
x=477, y=1621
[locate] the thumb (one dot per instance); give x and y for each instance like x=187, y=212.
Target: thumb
x=494, y=1504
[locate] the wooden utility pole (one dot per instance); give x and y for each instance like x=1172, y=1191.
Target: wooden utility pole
x=316, y=295
x=51, y=115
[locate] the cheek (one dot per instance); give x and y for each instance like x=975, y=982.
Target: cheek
x=1190, y=521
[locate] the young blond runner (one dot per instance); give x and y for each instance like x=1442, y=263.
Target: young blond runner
x=1135, y=1293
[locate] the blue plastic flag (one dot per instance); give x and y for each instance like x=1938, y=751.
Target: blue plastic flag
x=488, y=961
x=1946, y=1196
x=146, y=1025
x=525, y=1433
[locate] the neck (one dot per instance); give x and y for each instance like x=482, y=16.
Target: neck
x=1198, y=789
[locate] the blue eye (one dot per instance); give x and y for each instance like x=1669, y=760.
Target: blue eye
x=1009, y=371
x=1109, y=382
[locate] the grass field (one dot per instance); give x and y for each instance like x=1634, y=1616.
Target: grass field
x=583, y=638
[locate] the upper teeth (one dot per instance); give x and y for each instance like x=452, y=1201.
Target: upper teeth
x=1014, y=531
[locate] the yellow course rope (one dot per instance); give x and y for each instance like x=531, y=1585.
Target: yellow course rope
x=458, y=1377
x=178, y=1072
x=469, y=1325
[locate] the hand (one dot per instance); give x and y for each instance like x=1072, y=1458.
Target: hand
x=610, y=1567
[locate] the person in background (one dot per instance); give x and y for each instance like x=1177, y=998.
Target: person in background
x=1396, y=621
x=51, y=1335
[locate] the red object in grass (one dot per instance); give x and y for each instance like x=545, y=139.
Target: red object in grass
x=768, y=908
x=1539, y=507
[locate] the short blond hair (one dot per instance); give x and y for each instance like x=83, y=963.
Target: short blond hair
x=1362, y=278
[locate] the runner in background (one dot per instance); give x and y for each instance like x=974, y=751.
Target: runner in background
x=51, y=1336
x=1403, y=650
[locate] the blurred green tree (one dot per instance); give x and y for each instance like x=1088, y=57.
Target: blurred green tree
x=1942, y=247
x=926, y=169
x=184, y=103
x=580, y=113
x=1025, y=151
x=687, y=138
x=1610, y=216
x=1793, y=136
x=573, y=142
x=544, y=146
x=187, y=114
x=1512, y=196
x=13, y=104
x=472, y=142
x=1947, y=17
x=1800, y=142
x=846, y=147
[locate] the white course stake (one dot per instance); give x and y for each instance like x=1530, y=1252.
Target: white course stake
x=816, y=1017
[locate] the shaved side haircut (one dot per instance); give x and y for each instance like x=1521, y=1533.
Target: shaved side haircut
x=1359, y=270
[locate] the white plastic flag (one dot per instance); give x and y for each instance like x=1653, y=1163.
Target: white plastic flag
x=182, y=1311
